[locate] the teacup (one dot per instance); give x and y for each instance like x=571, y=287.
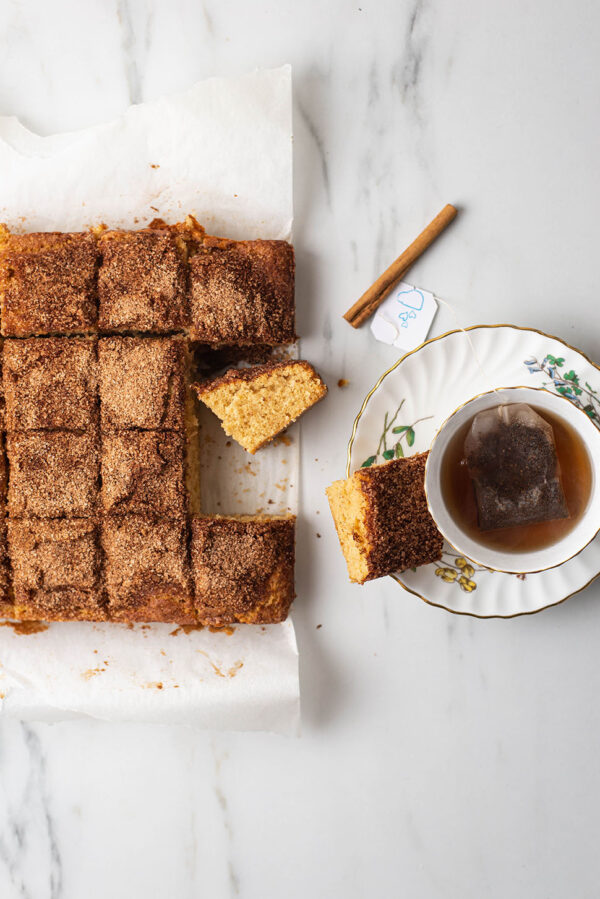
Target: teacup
x=499, y=559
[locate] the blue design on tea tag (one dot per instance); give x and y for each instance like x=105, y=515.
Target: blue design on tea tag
x=404, y=317
x=414, y=301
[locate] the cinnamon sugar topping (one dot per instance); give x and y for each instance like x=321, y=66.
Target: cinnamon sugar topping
x=53, y=474
x=143, y=472
x=50, y=383
x=47, y=283
x=147, y=576
x=56, y=569
x=99, y=434
x=243, y=568
x=141, y=282
x=142, y=382
x=242, y=292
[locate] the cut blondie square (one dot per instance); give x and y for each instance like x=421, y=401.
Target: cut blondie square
x=146, y=569
x=241, y=292
x=47, y=283
x=143, y=473
x=243, y=568
x=53, y=474
x=382, y=520
x=143, y=382
x=257, y=403
x=141, y=282
x=50, y=383
x=56, y=570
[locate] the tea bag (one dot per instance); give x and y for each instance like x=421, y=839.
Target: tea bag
x=511, y=457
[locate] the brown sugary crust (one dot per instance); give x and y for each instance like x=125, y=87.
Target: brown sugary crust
x=6, y=587
x=141, y=282
x=146, y=570
x=251, y=373
x=77, y=399
x=56, y=570
x=208, y=361
x=62, y=604
x=6, y=598
x=50, y=383
x=47, y=283
x=52, y=474
x=242, y=292
x=2, y=400
x=143, y=473
x=402, y=532
x=243, y=569
x=142, y=382
x=3, y=476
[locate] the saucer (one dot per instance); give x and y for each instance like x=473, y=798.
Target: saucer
x=402, y=414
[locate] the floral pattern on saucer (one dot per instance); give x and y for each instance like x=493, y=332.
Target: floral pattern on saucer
x=403, y=413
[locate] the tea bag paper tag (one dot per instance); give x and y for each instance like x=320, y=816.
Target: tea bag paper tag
x=405, y=316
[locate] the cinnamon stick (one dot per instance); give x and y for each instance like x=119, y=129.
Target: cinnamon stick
x=377, y=292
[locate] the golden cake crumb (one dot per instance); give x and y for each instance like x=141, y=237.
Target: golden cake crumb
x=255, y=404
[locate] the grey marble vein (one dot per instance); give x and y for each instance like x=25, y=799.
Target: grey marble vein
x=319, y=145
x=128, y=39
x=28, y=841
x=208, y=19
x=414, y=55
x=219, y=757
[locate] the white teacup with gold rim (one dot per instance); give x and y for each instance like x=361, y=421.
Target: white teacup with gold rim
x=526, y=548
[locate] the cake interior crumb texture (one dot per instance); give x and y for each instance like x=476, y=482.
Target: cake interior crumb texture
x=349, y=509
x=382, y=520
x=255, y=404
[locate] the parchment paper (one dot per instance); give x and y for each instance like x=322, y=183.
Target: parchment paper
x=222, y=151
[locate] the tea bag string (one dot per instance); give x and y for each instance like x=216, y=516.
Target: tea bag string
x=482, y=370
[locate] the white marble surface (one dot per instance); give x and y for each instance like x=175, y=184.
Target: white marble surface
x=441, y=756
